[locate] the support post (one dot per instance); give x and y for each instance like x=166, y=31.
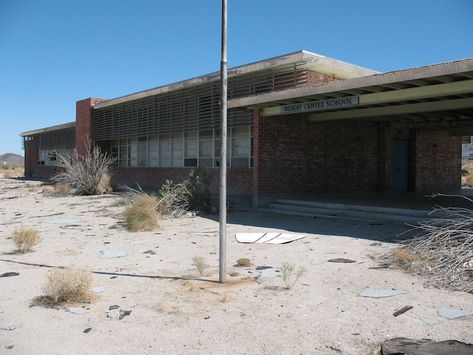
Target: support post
x=223, y=158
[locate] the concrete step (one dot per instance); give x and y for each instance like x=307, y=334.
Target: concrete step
x=345, y=211
x=353, y=207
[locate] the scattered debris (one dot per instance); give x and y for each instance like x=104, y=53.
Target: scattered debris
x=123, y=314
x=341, y=260
x=422, y=347
x=429, y=320
x=137, y=242
x=316, y=262
x=9, y=274
x=11, y=328
x=270, y=272
x=263, y=267
x=454, y=313
x=377, y=292
x=109, y=254
x=115, y=306
x=402, y=310
x=152, y=252
x=77, y=310
x=381, y=266
x=87, y=330
x=98, y=289
x=268, y=238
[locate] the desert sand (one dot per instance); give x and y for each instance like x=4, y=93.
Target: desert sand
x=174, y=311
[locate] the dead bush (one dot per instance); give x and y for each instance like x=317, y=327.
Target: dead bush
x=58, y=190
x=243, y=262
x=87, y=174
x=290, y=275
x=69, y=285
x=404, y=257
x=442, y=250
x=200, y=264
x=25, y=239
x=141, y=213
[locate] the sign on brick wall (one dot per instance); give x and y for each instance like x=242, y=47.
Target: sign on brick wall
x=319, y=105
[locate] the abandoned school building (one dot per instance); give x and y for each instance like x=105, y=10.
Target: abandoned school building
x=299, y=124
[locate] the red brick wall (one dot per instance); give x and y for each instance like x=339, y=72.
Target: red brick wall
x=31, y=158
x=438, y=162
x=84, y=122
x=297, y=156
x=319, y=78
x=239, y=181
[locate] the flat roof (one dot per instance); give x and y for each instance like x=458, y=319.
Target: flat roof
x=48, y=129
x=314, y=61
x=417, y=76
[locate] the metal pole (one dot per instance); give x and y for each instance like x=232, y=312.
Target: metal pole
x=223, y=150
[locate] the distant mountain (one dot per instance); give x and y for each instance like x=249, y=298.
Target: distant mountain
x=11, y=159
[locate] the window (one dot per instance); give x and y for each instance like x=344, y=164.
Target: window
x=165, y=150
x=177, y=150
x=153, y=151
x=142, y=151
x=191, y=151
x=185, y=149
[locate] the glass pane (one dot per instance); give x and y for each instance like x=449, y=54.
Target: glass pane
x=207, y=162
x=191, y=162
x=164, y=150
x=205, y=149
x=240, y=147
x=240, y=131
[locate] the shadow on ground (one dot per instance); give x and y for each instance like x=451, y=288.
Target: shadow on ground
x=376, y=231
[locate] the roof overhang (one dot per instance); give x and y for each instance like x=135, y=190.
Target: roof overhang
x=48, y=129
x=314, y=62
x=438, y=87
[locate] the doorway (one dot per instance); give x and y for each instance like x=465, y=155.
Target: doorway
x=400, y=176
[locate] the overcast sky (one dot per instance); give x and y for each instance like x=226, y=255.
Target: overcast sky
x=53, y=53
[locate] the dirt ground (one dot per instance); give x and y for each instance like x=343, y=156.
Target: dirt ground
x=173, y=312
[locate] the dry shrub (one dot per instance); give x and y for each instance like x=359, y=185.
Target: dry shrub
x=243, y=262
x=87, y=174
x=468, y=180
x=58, y=189
x=233, y=273
x=290, y=275
x=200, y=264
x=404, y=257
x=225, y=298
x=13, y=172
x=141, y=213
x=442, y=251
x=69, y=285
x=25, y=239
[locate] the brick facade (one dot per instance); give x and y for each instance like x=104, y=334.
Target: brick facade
x=296, y=156
x=239, y=181
x=84, y=122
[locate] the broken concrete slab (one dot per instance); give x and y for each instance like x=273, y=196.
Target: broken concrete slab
x=454, y=313
x=109, y=254
x=429, y=320
x=270, y=272
x=77, y=310
x=423, y=347
x=267, y=238
x=377, y=292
